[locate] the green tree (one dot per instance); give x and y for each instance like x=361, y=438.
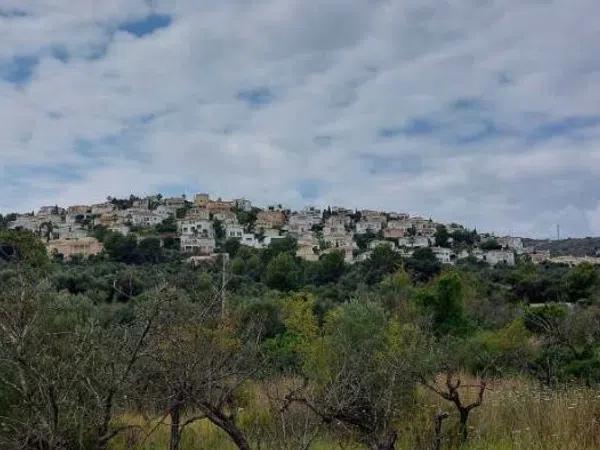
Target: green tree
x=169, y=225
x=219, y=229
x=22, y=246
x=231, y=246
x=330, y=267
x=122, y=248
x=383, y=261
x=277, y=246
x=150, y=250
x=5, y=220
x=581, y=282
x=423, y=265
x=490, y=244
x=283, y=273
x=442, y=236
x=445, y=303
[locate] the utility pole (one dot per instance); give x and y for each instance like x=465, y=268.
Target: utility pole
x=557, y=232
x=225, y=260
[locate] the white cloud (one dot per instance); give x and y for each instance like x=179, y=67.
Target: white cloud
x=124, y=114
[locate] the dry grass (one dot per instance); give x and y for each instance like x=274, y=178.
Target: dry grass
x=515, y=415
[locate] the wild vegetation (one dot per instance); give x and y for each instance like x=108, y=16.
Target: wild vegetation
x=135, y=349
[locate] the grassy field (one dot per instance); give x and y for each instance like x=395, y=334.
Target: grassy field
x=515, y=414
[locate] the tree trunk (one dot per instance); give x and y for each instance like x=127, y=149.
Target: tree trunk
x=462, y=427
x=387, y=442
x=175, y=414
x=227, y=424
x=237, y=437
x=437, y=439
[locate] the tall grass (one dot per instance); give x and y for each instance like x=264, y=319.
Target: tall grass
x=516, y=414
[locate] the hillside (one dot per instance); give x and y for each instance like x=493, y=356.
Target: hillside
x=589, y=246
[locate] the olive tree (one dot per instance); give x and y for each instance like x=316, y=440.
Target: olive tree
x=360, y=369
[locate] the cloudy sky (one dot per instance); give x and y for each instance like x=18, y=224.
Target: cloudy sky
x=485, y=112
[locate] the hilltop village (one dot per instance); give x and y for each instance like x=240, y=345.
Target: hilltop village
x=199, y=229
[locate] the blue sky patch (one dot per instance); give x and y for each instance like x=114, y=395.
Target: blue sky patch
x=466, y=104
x=487, y=129
x=256, y=97
x=393, y=164
x=308, y=189
x=59, y=172
x=323, y=140
x=12, y=13
x=147, y=25
x=19, y=69
x=569, y=126
x=413, y=127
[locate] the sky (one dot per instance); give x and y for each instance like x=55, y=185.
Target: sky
x=482, y=112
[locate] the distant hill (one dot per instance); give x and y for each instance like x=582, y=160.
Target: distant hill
x=589, y=246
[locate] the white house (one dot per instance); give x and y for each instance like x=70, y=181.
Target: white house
x=365, y=226
x=164, y=211
x=250, y=240
x=50, y=210
x=444, y=255
x=498, y=256
x=143, y=217
x=26, y=222
x=234, y=231
x=511, y=243
x=378, y=243
x=299, y=223
x=197, y=244
x=196, y=227
x=243, y=204
x=414, y=242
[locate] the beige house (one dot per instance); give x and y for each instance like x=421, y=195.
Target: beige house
x=85, y=246
x=216, y=206
x=227, y=217
x=174, y=202
x=79, y=210
x=110, y=219
x=201, y=200
x=574, y=260
x=307, y=253
x=102, y=208
x=393, y=233
x=423, y=227
x=539, y=256
x=269, y=219
x=198, y=213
